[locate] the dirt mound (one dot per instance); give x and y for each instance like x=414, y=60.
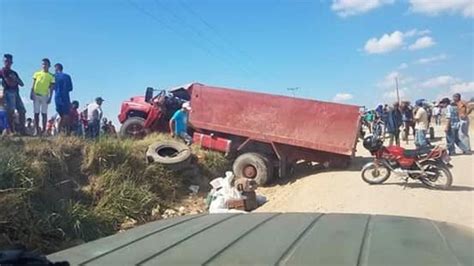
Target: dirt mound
x=59, y=192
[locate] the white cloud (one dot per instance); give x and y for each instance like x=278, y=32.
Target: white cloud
x=392, y=41
x=385, y=44
x=392, y=94
x=462, y=87
x=439, y=82
x=403, y=66
x=342, y=97
x=422, y=43
x=427, y=60
x=416, y=32
x=423, y=32
x=388, y=81
x=435, y=7
x=345, y=8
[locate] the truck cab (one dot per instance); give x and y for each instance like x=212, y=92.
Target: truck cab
x=151, y=113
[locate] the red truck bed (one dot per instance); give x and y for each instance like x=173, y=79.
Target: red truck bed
x=311, y=124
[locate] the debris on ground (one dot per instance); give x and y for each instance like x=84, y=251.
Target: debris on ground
x=194, y=189
x=128, y=223
x=228, y=195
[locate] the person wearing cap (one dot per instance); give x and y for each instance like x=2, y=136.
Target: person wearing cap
x=421, y=125
x=62, y=88
x=41, y=93
x=452, y=127
x=179, y=123
x=94, y=116
x=11, y=84
x=463, y=121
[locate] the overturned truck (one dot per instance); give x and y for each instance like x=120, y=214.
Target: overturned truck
x=265, y=135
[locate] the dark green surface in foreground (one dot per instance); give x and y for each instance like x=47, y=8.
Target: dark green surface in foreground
x=281, y=239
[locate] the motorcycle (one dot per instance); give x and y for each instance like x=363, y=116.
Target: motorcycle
x=428, y=165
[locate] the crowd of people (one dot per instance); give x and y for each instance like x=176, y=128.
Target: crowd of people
x=69, y=119
x=401, y=117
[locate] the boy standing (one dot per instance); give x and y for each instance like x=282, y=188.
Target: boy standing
x=43, y=82
x=4, y=127
x=62, y=88
x=11, y=84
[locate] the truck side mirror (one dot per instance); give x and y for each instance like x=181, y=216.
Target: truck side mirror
x=148, y=94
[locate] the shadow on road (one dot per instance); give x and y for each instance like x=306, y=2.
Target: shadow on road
x=420, y=185
x=305, y=169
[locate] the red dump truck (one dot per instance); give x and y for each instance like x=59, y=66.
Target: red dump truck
x=265, y=134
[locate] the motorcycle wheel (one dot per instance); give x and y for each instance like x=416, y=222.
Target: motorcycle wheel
x=375, y=174
x=437, y=176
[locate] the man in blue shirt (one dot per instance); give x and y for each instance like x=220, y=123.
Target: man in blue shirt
x=62, y=88
x=407, y=118
x=452, y=127
x=393, y=124
x=179, y=123
x=4, y=127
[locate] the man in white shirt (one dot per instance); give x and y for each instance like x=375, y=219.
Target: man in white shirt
x=421, y=125
x=94, y=116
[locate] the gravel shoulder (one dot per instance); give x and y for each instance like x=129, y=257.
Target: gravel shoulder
x=345, y=192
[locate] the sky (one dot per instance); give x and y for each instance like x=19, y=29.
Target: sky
x=348, y=51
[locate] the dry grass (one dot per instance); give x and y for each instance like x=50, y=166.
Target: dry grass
x=59, y=192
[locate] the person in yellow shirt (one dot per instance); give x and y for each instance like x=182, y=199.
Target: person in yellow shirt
x=41, y=93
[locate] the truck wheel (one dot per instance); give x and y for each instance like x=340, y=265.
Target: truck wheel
x=172, y=154
x=254, y=166
x=134, y=127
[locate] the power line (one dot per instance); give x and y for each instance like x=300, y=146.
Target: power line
x=212, y=28
x=293, y=90
x=225, y=40
x=170, y=28
x=199, y=34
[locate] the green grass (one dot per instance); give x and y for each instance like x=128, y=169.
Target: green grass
x=59, y=192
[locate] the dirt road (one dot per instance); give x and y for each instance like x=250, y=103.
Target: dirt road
x=345, y=192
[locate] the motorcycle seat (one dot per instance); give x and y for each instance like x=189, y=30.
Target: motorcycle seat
x=417, y=152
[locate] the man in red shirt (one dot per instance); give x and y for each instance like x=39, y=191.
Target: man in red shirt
x=75, y=123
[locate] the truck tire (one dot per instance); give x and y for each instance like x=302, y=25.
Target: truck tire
x=255, y=166
x=174, y=155
x=134, y=127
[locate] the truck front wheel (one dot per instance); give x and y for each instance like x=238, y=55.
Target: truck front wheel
x=133, y=127
x=254, y=166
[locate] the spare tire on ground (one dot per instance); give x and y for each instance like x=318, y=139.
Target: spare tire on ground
x=174, y=155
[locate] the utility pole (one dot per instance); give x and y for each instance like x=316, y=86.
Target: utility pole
x=293, y=90
x=398, y=93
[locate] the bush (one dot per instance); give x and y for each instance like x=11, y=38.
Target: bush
x=15, y=172
x=58, y=192
x=213, y=164
x=163, y=182
x=111, y=154
x=127, y=200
